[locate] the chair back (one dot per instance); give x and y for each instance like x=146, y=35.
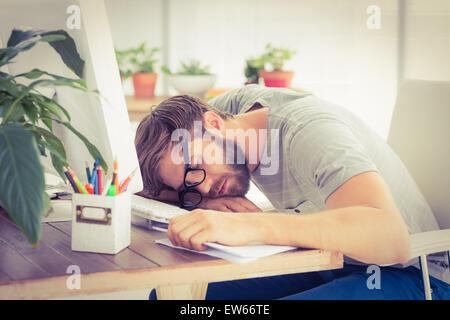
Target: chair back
x=420, y=135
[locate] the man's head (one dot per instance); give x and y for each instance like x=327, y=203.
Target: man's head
x=161, y=156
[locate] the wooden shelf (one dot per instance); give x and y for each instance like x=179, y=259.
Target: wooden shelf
x=139, y=108
x=142, y=105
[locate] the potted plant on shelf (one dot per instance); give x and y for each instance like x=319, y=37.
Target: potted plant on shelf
x=142, y=63
x=122, y=57
x=275, y=58
x=252, y=68
x=26, y=128
x=192, y=78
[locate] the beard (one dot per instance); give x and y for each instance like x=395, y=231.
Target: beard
x=239, y=179
x=238, y=182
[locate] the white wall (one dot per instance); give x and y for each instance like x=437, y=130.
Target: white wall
x=427, y=40
x=374, y=55
x=133, y=22
x=338, y=57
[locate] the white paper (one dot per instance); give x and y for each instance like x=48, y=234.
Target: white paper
x=255, y=250
x=240, y=254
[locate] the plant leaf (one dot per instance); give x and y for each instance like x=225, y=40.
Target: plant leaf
x=68, y=51
x=17, y=36
x=55, y=146
x=58, y=164
x=58, y=160
x=46, y=118
x=33, y=74
x=21, y=179
x=14, y=114
x=60, y=40
x=91, y=148
x=30, y=110
x=74, y=83
x=50, y=104
x=46, y=204
x=36, y=73
x=19, y=40
x=45, y=103
x=6, y=54
x=52, y=38
x=12, y=88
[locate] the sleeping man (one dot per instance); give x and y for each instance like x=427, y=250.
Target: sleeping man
x=334, y=183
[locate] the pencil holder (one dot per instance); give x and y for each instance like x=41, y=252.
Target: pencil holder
x=101, y=224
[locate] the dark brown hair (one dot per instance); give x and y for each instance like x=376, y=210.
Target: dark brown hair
x=153, y=135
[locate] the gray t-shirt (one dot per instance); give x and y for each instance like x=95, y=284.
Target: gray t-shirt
x=322, y=145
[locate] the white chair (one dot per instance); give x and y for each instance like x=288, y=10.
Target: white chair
x=420, y=135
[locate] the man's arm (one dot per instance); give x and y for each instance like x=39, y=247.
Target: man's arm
x=229, y=204
x=362, y=222
x=168, y=196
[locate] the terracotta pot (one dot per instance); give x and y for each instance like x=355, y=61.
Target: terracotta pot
x=277, y=78
x=144, y=85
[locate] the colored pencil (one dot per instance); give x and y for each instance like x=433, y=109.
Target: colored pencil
x=72, y=183
x=91, y=181
x=71, y=174
x=125, y=182
x=99, y=180
x=88, y=172
x=112, y=190
x=113, y=181
x=95, y=185
x=116, y=170
x=77, y=182
x=89, y=188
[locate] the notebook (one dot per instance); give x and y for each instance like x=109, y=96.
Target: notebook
x=240, y=254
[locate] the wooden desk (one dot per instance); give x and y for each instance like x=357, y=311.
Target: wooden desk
x=40, y=273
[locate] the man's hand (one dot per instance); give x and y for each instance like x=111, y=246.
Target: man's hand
x=229, y=204
x=193, y=229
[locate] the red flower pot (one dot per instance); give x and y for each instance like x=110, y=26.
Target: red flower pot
x=277, y=78
x=144, y=85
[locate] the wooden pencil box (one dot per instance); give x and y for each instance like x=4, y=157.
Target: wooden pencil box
x=101, y=224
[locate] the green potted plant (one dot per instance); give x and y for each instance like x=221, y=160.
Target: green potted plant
x=142, y=63
x=274, y=58
x=192, y=78
x=122, y=57
x=252, y=68
x=26, y=128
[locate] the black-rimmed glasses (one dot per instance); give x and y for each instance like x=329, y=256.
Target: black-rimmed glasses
x=189, y=197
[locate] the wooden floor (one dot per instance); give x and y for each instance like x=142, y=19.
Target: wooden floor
x=52, y=256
